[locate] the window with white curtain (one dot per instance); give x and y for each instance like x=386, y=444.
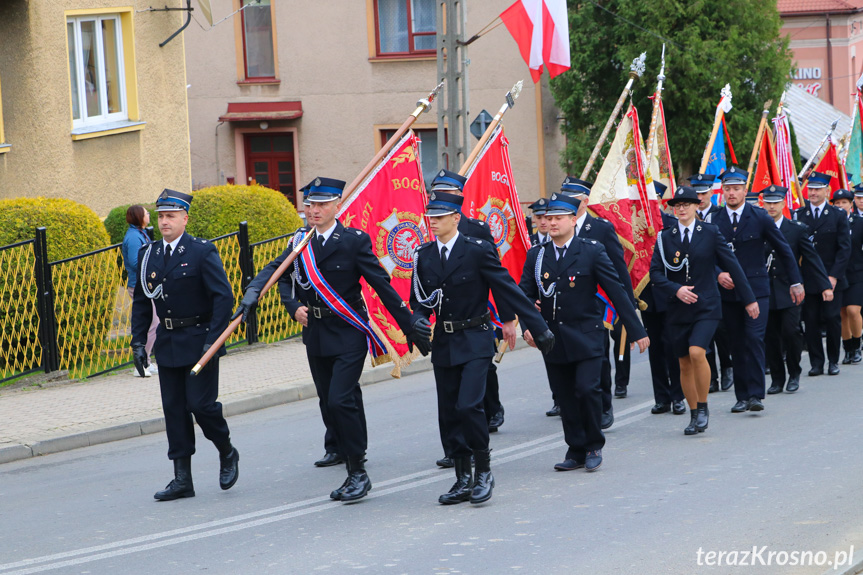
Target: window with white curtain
x=96, y=70
x=258, y=39
x=405, y=27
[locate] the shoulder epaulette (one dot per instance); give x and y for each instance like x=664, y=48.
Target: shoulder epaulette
x=354, y=230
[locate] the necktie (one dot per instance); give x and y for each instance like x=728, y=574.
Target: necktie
x=443, y=251
x=817, y=212
x=700, y=216
x=686, y=240
x=167, y=255
x=561, y=251
x=321, y=240
x=734, y=221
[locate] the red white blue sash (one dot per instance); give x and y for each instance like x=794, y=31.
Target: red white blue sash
x=335, y=302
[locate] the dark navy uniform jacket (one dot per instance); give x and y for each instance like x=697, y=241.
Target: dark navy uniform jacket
x=707, y=250
x=534, y=239
x=345, y=258
x=654, y=303
x=194, y=284
x=854, y=271
x=474, y=228
x=753, y=229
x=575, y=316
x=814, y=275
x=604, y=233
x=710, y=213
x=830, y=234
x=472, y=268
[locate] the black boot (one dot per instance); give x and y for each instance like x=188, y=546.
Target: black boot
x=337, y=493
x=847, y=345
x=484, y=483
x=229, y=469
x=856, y=354
x=181, y=485
x=691, y=429
x=359, y=483
x=461, y=489
x=702, y=417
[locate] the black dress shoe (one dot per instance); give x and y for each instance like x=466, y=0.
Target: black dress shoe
x=568, y=465
x=714, y=386
x=496, y=421
x=754, y=404
x=692, y=428
x=484, y=481
x=593, y=460
x=740, y=406
x=774, y=389
x=620, y=391
x=554, y=411
x=702, y=417
x=660, y=408
x=337, y=493
x=445, y=462
x=329, y=459
x=847, y=359
x=816, y=371
x=229, y=469
x=793, y=384
x=678, y=407
x=727, y=379
x=461, y=489
x=607, y=419
x=833, y=369
x=359, y=484
x=181, y=486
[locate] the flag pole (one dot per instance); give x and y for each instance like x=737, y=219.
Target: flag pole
x=422, y=105
x=717, y=123
x=759, y=136
x=811, y=160
x=651, y=132
x=635, y=71
x=511, y=97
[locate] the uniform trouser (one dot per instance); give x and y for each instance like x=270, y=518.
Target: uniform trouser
x=817, y=315
x=784, y=339
x=337, y=381
x=747, y=346
x=719, y=350
x=664, y=367
x=461, y=418
x=183, y=395
x=491, y=402
x=576, y=387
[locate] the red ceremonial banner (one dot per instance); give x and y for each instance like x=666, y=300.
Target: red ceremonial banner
x=829, y=164
x=388, y=205
x=490, y=195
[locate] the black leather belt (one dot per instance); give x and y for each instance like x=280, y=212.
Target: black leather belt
x=453, y=326
x=325, y=311
x=177, y=322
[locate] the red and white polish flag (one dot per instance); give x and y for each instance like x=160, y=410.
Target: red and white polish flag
x=541, y=30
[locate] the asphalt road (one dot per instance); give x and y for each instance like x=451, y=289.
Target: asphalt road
x=786, y=481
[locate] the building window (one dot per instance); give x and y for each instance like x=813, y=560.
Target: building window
x=428, y=151
x=405, y=27
x=96, y=69
x=258, y=46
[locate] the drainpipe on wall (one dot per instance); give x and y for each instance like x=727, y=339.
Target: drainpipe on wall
x=829, y=61
x=218, y=171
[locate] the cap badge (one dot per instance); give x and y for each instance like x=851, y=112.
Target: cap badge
x=317, y=181
x=442, y=173
x=772, y=188
x=432, y=197
x=554, y=196
x=164, y=194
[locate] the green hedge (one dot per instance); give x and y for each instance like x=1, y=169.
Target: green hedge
x=116, y=223
x=220, y=209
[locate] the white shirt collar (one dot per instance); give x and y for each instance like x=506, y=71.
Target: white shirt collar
x=541, y=237
x=566, y=245
x=690, y=227
x=779, y=221
x=738, y=211
x=820, y=206
x=580, y=222
x=449, y=245
x=172, y=244
x=327, y=233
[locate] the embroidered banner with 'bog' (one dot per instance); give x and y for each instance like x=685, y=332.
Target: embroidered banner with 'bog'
x=388, y=205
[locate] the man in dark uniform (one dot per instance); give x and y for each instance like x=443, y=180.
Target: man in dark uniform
x=451, y=278
x=784, y=340
x=184, y=278
x=541, y=236
x=664, y=367
x=601, y=230
x=747, y=228
x=832, y=239
x=564, y=274
x=719, y=350
x=858, y=200
x=336, y=349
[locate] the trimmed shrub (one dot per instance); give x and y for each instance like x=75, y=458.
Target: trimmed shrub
x=218, y=210
x=116, y=223
x=72, y=228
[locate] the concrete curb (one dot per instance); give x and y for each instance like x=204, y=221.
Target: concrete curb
x=297, y=391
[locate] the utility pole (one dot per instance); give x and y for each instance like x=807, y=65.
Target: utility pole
x=453, y=105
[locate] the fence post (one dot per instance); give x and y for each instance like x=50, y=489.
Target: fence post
x=247, y=268
x=45, y=300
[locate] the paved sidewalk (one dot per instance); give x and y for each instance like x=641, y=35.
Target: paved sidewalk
x=70, y=414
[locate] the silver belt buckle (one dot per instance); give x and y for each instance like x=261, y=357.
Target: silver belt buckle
x=447, y=327
x=316, y=311
x=168, y=323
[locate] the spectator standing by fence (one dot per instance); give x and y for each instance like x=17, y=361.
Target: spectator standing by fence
x=138, y=218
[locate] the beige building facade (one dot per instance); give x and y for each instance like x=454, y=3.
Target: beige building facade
x=288, y=90
x=91, y=108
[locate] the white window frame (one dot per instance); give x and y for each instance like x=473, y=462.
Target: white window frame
x=85, y=121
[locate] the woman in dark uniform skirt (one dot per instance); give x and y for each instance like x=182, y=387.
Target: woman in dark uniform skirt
x=852, y=296
x=682, y=271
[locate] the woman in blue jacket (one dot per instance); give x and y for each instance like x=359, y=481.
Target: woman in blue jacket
x=138, y=218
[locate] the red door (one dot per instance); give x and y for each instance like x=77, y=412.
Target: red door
x=270, y=162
